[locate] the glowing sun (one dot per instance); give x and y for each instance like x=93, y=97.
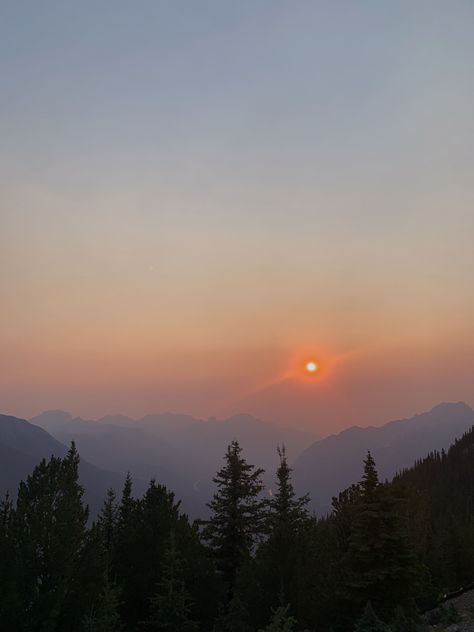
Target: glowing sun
x=311, y=367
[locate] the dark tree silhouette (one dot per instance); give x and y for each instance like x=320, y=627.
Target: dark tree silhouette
x=238, y=514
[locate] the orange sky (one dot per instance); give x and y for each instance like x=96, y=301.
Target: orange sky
x=194, y=201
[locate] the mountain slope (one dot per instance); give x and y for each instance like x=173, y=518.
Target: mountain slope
x=440, y=493
x=180, y=451
x=333, y=463
x=23, y=445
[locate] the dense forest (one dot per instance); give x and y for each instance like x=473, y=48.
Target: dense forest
x=386, y=553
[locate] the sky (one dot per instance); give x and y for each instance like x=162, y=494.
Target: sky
x=196, y=198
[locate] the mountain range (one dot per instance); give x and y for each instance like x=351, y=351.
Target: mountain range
x=184, y=453
x=335, y=462
x=180, y=451
x=23, y=445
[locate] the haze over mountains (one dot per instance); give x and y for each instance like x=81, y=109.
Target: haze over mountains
x=23, y=445
x=332, y=464
x=184, y=453
x=178, y=450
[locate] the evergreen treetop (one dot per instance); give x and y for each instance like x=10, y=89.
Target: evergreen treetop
x=238, y=513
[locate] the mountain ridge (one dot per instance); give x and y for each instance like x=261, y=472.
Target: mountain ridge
x=23, y=445
x=333, y=463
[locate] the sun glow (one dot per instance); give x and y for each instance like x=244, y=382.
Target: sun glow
x=311, y=366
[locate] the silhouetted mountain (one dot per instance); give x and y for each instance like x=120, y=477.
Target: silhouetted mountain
x=333, y=463
x=23, y=445
x=178, y=450
x=184, y=453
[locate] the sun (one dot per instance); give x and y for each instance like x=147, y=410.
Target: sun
x=311, y=366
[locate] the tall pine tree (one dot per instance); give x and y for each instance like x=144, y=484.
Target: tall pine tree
x=370, y=622
x=170, y=606
x=380, y=562
x=238, y=514
x=49, y=529
x=104, y=615
x=281, y=621
x=279, y=557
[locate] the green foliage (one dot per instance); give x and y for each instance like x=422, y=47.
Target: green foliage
x=280, y=558
x=441, y=513
x=443, y=615
x=402, y=622
x=107, y=526
x=238, y=515
x=48, y=527
x=170, y=607
x=142, y=565
x=380, y=564
x=144, y=528
x=234, y=617
x=369, y=622
x=287, y=511
x=281, y=621
x=104, y=616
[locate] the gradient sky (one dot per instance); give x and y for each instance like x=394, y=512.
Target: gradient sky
x=197, y=196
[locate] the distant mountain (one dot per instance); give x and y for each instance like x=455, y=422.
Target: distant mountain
x=124, y=446
x=23, y=445
x=334, y=463
x=180, y=451
x=184, y=453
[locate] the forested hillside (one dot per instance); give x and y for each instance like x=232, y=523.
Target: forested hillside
x=333, y=463
x=385, y=554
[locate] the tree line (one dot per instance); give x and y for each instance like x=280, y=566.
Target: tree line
x=259, y=563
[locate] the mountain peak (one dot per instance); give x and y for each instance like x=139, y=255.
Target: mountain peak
x=450, y=407
x=53, y=416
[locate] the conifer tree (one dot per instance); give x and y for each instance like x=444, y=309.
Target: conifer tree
x=106, y=531
x=50, y=522
x=344, y=510
x=238, y=514
x=287, y=511
x=281, y=621
x=7, y=561
x=369, y=622
x=402, y=622
x=381, y=564
x=279, y=557
x=104, y=616
x=128, y=503
x=170, y=606
x=234, y=617
x=370, y=479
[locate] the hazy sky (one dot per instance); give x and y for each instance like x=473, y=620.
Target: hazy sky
x=198, y=196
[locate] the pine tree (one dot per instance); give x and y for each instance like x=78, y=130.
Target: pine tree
x=104, y=616
x=279, y=557
x=234, y=617
x=49, y=524
x=238, y=514
x=107, y=531
x=370, y=479
x=170, y=606
x=380, y=562
x=125, y=559
x=281, y=621
x=369, y=622
x=402, y=622
x=128, y=503
x=344, y=511
x=287, y=511
x=7, y=565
